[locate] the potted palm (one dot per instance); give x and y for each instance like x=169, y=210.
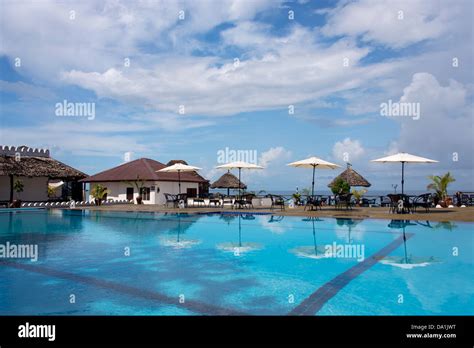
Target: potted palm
x=358, y=194
x=18, y=187
x=296, y=198
x=99, y=192
x=440, y=185
x=340, y=186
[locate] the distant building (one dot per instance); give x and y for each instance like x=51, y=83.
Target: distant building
x=120, y=181
x=35, y=169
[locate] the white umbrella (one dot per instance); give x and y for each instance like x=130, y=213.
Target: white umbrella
x=314, y=162
x=239, y=165
x=178, y=168
x=403, y=157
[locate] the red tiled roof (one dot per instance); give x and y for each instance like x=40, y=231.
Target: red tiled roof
x=145, y=169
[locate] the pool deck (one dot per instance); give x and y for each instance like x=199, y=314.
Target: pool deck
x=443, y=214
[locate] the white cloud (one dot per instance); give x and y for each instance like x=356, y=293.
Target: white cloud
x=274, y=154
x=445, y=125
x=380, y=22
x=348, y=150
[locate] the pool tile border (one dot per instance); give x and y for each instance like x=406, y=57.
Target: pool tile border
x=200, y=308
x=313, y=303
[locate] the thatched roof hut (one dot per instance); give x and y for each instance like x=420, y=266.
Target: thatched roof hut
x=352, y=178
x=228, y=181
x=34, y=168
x=38, y=167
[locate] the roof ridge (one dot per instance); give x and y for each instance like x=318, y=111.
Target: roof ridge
x=147, y=165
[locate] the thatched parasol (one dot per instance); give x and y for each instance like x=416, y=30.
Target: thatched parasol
x=228, y=181
x=351, y=177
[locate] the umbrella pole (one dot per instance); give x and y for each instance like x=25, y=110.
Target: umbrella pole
x=405, y=245
x=312, y=186
x=179, y=182
x=239, y=184
x=403, y=175
x=240, y=234
x=314, y=241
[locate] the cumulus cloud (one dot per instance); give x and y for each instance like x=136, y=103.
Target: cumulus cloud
x=274, y=154
x=445, y=126
x=348, y=150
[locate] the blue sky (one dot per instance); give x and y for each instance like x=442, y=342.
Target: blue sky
x=237, y=67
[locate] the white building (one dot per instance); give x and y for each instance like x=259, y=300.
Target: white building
x=120, y=181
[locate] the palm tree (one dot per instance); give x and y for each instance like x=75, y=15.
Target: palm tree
x=440, y=185
x=18, y=187
x=99, y=192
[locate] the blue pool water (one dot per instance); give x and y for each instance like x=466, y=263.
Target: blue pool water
x=128, y=263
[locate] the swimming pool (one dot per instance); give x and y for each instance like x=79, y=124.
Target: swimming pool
x=129, y=263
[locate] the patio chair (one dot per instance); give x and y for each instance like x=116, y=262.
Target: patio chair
x=244, y=201
x=425, y=201
x=183, y=197
x=277, y=201
x=313, y=202
x=171, y=199
x=396, y=199
x=344, y=200
x=368, y=202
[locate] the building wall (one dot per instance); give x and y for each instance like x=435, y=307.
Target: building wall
x=4, y=188
x=118, y=190
x=35, y=189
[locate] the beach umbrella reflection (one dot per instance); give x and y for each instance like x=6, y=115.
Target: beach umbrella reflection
x=178, y=242
x=314, y=251
x=349, y=223
x=240, y=248
x=407, y=261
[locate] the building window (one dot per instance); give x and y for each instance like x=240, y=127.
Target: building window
x=145, y=193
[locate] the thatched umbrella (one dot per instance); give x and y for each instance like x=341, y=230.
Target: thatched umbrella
x=351, y=177
x=228, y=181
